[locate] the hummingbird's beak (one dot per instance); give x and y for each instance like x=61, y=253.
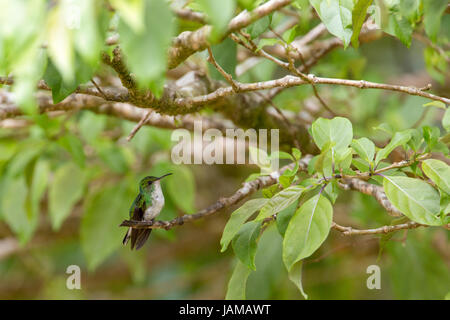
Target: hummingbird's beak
x=168, y=174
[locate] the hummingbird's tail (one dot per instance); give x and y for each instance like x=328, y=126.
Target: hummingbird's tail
x=138, y=237
x=127, y=237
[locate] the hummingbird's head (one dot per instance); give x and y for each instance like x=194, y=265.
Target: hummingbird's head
x=146, y=182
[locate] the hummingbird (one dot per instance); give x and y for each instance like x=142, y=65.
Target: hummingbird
x=146, y=207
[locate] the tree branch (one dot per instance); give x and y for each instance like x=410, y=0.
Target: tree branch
x=247, y=189
x=372, y=190
x=120, y=110
x=349, y=231
x=189, y=104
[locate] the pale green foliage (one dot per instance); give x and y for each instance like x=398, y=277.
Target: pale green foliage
x=439, y=172
x=66, y=189
x=99, y=233
x=237, y=219
x=280, y=201
x=307, y=230
x=237, y=283
x=146, y=49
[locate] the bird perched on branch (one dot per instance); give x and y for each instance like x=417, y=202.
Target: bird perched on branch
x=146, y=207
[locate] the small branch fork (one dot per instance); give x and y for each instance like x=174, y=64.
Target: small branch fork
x=294, y=70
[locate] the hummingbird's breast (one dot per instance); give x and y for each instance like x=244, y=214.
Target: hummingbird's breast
x=157, y=203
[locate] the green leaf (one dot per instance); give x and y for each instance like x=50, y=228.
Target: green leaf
x=266, y=42
x=14, y=208
x=296, y=153
x=244, y=243
x=60, y=41
x=281, y=155
x=259, y=27
x=400, y=27
x=88, y=38
x=39, y=184
x=295, y=275
x=399, y=138
x=238, y=282
x=358, y=17
x=91, y=125
x=415, y=198
x=437, y=104
x=237, y=219
x=446, y=120
x=431, y=136
x=181, y=188
x=290, y=34
x=225, y=54
x=432, y=16
x=26, y=153
x=337, y=130
x=270, y=191
x=132, y=12
x=324, y=162
x=284, y=216
x=104, y=211
x=416, y=140
x=74, y=146
x=280, y=201
x=219, y=14
x=439, y=172
x=332, y=191
x=307, y=230
x=21, y=52
x=337, y=17
x=61, y=88
x=261, y=159
x=146, y=51
x=365, y=148
x=65, y=190
x=343, y=158
x=384, y=127
x=113, y=156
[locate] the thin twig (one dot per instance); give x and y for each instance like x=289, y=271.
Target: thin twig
x=99, y=89
x=227, y=76
x=349, y=231
x=139, y=125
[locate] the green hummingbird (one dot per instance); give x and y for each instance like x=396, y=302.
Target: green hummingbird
x=146, y=207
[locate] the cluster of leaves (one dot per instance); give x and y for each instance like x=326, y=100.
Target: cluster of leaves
x=75, y=34
x=303, y=208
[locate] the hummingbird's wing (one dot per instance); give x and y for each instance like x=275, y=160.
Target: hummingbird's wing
x=137, y=208
x=137, y=236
